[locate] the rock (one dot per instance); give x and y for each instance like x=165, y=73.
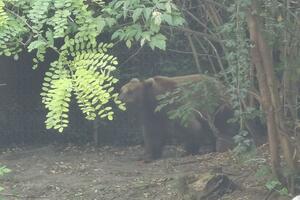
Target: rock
x=296, y=197
x=207, y=186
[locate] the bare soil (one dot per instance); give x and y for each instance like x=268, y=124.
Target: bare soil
x=57, y=172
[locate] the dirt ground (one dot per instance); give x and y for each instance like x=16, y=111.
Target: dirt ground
x=57, y=172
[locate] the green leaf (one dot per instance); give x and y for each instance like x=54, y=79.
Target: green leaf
x=177, y=20
x=168, y=19
x=110, y=21
x=49, y=36
x=122, y=107
x=100, y=24
x=110, y=117
x=118, y=4
x=36, y=44
x=136, y=14
x=7, y=53
x=158, y=41
x=272, y=184
x=128, y=43
x=116, y=34
x=168, y=7
x=147, y=13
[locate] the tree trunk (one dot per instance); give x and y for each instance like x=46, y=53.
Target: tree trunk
x=262, y=60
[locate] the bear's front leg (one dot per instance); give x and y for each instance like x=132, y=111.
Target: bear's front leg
x=154, y=141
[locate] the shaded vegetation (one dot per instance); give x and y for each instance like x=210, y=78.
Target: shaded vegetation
x=251, y=45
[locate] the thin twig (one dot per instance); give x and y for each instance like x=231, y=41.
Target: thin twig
x=187, y=30
x=189, y=52
x=199, y=22
x=216, y=4
x=133, y=55
x=194, y=53
x=209, y=58
x=218, y=58
x=20, y=18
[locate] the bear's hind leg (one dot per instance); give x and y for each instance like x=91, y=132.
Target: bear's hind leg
x=196, y=136
x=191, y=147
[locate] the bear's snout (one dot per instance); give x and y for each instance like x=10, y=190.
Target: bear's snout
x=122, y=97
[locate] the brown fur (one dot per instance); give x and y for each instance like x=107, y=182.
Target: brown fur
x=142, y=95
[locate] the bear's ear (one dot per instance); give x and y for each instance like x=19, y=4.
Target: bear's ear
x=149, y=82
x=134, y=80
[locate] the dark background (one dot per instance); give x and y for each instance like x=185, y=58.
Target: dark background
x=22, y=114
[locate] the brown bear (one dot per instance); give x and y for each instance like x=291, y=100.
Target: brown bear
x=142, y=95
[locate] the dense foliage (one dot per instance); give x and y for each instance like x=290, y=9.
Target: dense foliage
x=206, y=105
x=252, y=45
x=84, y=67
x=143, y=20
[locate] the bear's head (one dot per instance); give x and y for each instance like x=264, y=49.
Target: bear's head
x=134, y=90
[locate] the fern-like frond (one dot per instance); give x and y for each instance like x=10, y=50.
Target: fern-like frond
x=56, y=96
x=60, y=20
x=89, y=26
x=84, y=67
x=3, y=14
x=38, y=14
x=10, y=32
x=86, y=70
x=93, y=83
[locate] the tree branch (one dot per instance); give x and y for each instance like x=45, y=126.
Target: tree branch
x=194, y=53
x=193, y=32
